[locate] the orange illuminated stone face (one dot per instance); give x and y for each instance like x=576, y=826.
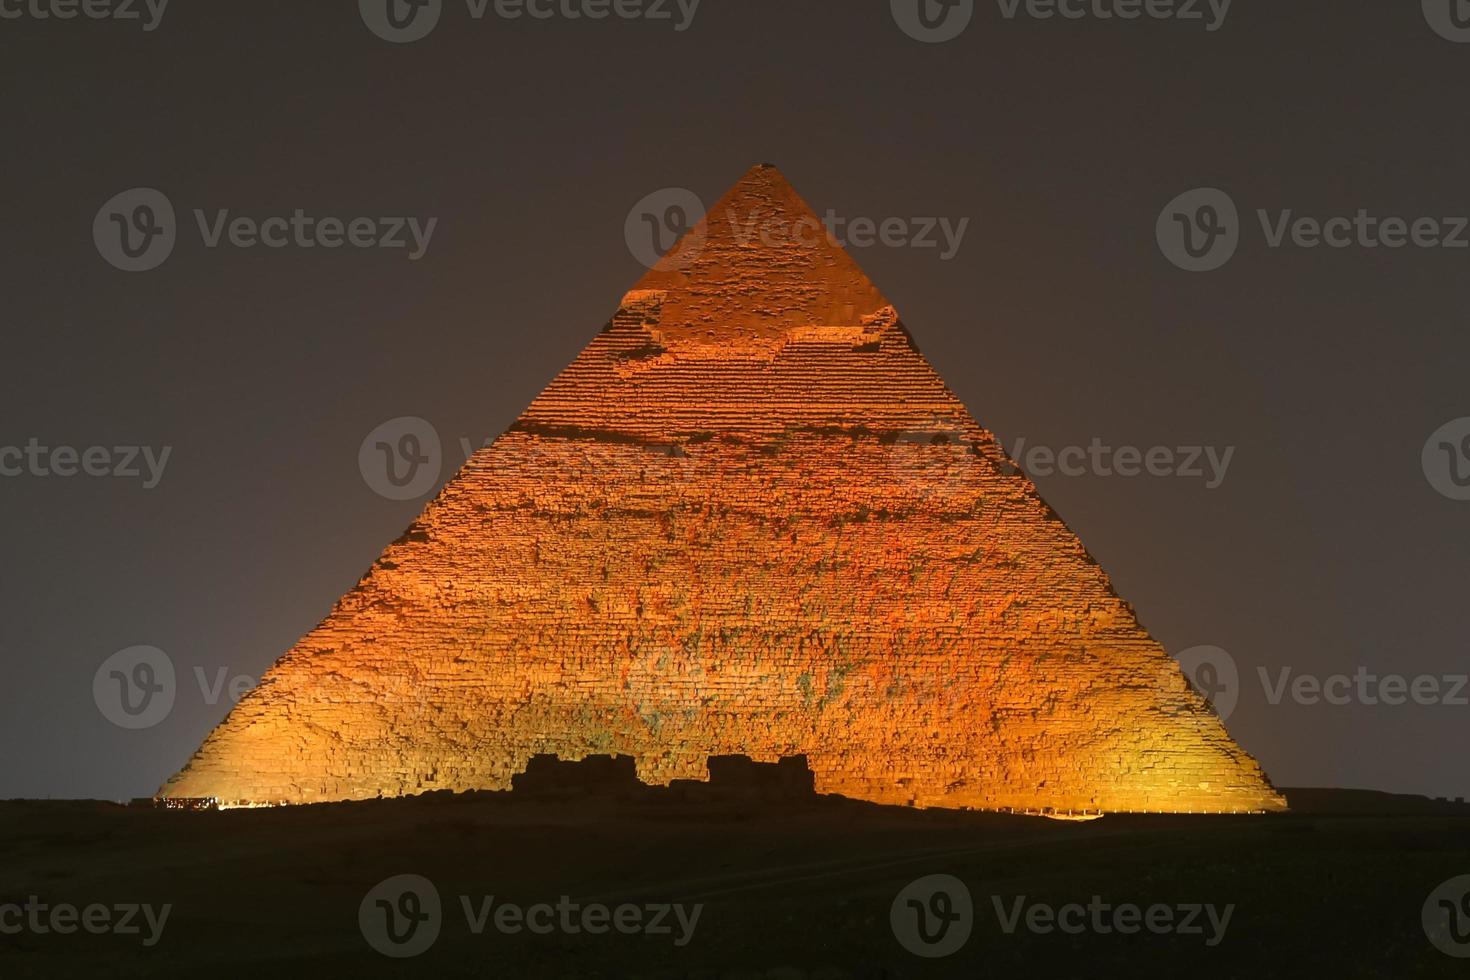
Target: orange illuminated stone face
x=749, y=519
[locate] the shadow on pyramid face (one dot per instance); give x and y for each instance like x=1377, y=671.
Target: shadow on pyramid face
x=933, y=461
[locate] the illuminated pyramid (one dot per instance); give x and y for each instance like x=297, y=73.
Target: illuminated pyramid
x=749, y=519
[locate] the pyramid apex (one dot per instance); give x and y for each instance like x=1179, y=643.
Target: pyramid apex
x=759, y=264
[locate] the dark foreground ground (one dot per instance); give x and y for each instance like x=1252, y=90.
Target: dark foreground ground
x=789, y=890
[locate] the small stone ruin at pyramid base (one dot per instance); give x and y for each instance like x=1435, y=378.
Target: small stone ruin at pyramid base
x=749, y=519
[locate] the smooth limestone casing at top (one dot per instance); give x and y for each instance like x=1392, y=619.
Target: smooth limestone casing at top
x=748, y=519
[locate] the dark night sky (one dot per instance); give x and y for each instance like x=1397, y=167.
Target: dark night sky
x=1326, y=549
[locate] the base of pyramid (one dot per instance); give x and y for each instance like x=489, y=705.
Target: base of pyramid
x=1155, y=793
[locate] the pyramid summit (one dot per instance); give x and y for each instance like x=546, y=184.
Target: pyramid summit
x=758, y=264
x=748, y=519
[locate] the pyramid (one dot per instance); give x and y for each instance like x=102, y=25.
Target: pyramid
x=748, y=519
